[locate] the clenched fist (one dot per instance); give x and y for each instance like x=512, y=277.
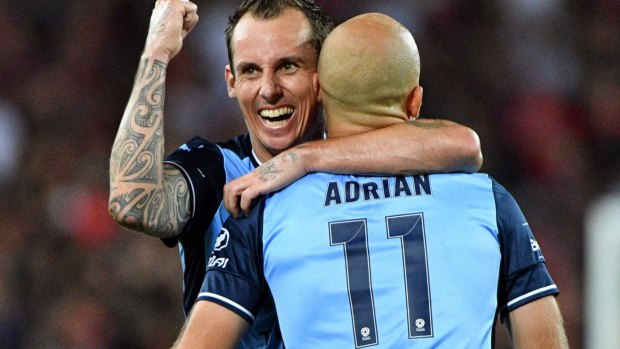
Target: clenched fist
x=171, y=21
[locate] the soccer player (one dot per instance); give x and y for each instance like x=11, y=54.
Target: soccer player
x=273, y=49
x=422, y=261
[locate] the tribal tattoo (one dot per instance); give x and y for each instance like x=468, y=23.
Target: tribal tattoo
x=145, y=195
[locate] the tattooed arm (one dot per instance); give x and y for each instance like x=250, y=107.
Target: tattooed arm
x=146, y=195
x=417, y=146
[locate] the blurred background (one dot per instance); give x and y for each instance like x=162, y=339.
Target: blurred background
x=538, y=80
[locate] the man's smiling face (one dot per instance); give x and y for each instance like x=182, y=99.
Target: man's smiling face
x=275, y=81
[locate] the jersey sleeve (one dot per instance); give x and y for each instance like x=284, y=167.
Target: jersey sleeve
x=523, y=276
x=202, y=164
x=234, y=277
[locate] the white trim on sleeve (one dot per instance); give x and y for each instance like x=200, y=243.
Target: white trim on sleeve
x=531, y=293
x=227, y=301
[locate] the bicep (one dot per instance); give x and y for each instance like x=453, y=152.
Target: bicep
x=537, y=324
x=211, y=326
x=167, y=208
x=178, y=195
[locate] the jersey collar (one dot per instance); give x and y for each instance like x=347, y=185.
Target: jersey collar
x=255, y=161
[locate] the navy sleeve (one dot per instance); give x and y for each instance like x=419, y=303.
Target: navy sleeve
x=523, y=275
x=234, y=276
x=202, y=164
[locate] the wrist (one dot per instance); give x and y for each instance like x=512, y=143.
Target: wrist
x=154, y=53
x=307, y=154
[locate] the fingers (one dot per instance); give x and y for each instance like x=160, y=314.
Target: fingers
x=231, y=199
x=189, y=22
x=239, y=194
x=171, y=22
x=190, y=18
x=247, y=199
x=233, y=206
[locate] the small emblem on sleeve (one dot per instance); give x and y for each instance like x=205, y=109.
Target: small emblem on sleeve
x=222, y=240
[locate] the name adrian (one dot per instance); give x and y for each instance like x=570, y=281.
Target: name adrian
x=385, y=188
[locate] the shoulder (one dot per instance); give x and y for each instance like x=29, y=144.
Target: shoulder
x=233, y=155
x=500, y=192
x=195, y=151
x=508, y=211
x=240, y=145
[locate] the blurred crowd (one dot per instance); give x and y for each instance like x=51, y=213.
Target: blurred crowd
x=538, y=80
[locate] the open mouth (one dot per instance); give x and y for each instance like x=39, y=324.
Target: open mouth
x=276, y=117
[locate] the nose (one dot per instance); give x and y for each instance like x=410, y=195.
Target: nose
x=270, y=88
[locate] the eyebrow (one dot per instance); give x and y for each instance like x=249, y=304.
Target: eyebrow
x=288, y=59
x=244, y=65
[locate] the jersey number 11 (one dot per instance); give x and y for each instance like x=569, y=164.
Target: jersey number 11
x=353, y=235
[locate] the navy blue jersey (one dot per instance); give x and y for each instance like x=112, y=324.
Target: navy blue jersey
x=207, y=167
x=397, y=262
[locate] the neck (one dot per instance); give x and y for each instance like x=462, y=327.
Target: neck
x=345, y=123
x=314, y=131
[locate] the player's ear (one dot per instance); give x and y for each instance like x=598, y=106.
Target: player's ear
x=414, y=102
x=317, y=87
x=230, y=81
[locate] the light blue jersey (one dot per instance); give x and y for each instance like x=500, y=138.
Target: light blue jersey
x=391, y=262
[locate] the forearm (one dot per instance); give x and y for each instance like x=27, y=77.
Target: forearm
x=537, y=325
x=421, y=146
x=144, y=194
x=140, y=188
x=211, y=326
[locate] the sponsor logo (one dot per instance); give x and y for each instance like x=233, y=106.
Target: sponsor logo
x=219, y=262
x=222, y=240
x=535, y=247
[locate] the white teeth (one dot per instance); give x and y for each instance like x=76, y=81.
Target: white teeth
x=275, y=123
x=274, y=113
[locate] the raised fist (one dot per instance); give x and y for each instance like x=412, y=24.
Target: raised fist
x=171, y=21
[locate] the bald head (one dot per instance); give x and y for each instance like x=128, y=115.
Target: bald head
x=369, y=64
